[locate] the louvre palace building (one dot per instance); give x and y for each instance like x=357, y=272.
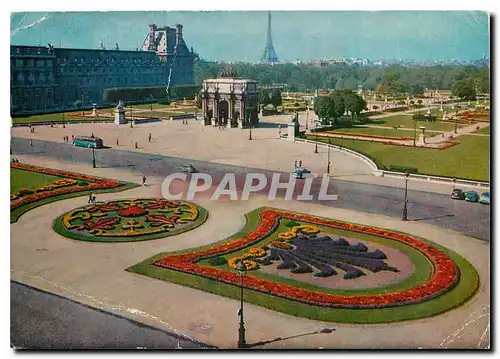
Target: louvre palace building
x=49, y=79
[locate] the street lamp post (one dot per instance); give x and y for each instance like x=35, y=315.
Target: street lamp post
x=64, y=124
x=93, y=157
x=405, y=208
x=316, y=140
x=414, y=131
x=241, y=338
x=307, y=118
x=328, y=160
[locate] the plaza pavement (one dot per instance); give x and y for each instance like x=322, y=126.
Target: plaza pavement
x=228, y=146
x=94, y=274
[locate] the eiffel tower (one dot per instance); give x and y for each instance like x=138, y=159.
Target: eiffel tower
x=269, y=56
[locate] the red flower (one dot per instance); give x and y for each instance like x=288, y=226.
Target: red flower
x=132, y=211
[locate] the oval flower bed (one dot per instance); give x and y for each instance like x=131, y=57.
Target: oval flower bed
x=444, y=277
x=125, y=220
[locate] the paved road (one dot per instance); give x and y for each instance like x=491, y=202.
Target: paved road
x=40, y=320
x=470, y=218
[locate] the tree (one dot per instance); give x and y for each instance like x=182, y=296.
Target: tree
x=416, y=89
x=173, y=93
x=264, y=98
x=464, y=89
x=322, y=108
x=198, y=100
x=338, y=105
x=354, y=104
x=275, y=99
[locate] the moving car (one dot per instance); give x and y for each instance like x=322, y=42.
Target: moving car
x=187, y=169
x=471, y=196
x=300, y=172
x=457, y=194
x=485, y=198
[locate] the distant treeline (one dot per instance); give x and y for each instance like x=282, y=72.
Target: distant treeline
x=394, y=79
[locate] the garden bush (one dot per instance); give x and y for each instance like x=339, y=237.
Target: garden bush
x=82, y=183
x=217, y=261
x=396, y=168
x=292, y=224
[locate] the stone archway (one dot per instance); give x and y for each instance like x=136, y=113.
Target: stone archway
x=223, y=107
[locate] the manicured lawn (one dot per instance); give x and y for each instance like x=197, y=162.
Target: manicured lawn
x=59, y=117
x=469, y=159
x=21, y=179
x=155, y=105
x=375, y=131
x=465, y=288
x=407, y=122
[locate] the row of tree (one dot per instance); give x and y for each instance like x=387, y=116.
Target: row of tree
x=394, y=79
x=469, y=87
x=330, y=108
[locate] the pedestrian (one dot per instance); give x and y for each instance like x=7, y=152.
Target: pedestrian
x=279, y=132
x=31, y=143
x=90, y=198
x=93, y=197
x=143, y=180
x=51, y=125
x=117, y=143
x=149, y=137
x=92, y=135
x=295, y=164
x=72, y=137
x=136, y=144
x=300, y=163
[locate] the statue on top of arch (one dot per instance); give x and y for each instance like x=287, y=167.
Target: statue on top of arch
x=227, y=72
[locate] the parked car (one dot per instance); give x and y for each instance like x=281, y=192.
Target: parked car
x=187, y=169
x=457, y=194
x=471, y=196
x=300, y=172
x=485, y=198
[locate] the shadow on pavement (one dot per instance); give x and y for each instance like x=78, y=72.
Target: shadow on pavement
x=432, y=217
x=264, y=342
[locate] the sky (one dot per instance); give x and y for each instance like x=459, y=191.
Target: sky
x=297, y=35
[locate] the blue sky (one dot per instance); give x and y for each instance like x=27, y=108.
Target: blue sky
x=241, y=36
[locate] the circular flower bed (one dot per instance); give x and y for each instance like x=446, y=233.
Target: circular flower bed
x=130, y=220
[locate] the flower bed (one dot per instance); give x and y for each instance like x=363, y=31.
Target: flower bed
x=130, y=220
x=72, y=184
x=62, y=187
x=444, y=277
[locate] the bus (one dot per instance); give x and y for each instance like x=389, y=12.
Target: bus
x=87, y=141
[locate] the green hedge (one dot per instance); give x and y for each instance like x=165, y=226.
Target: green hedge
x=396, y=168
x=150, y=93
